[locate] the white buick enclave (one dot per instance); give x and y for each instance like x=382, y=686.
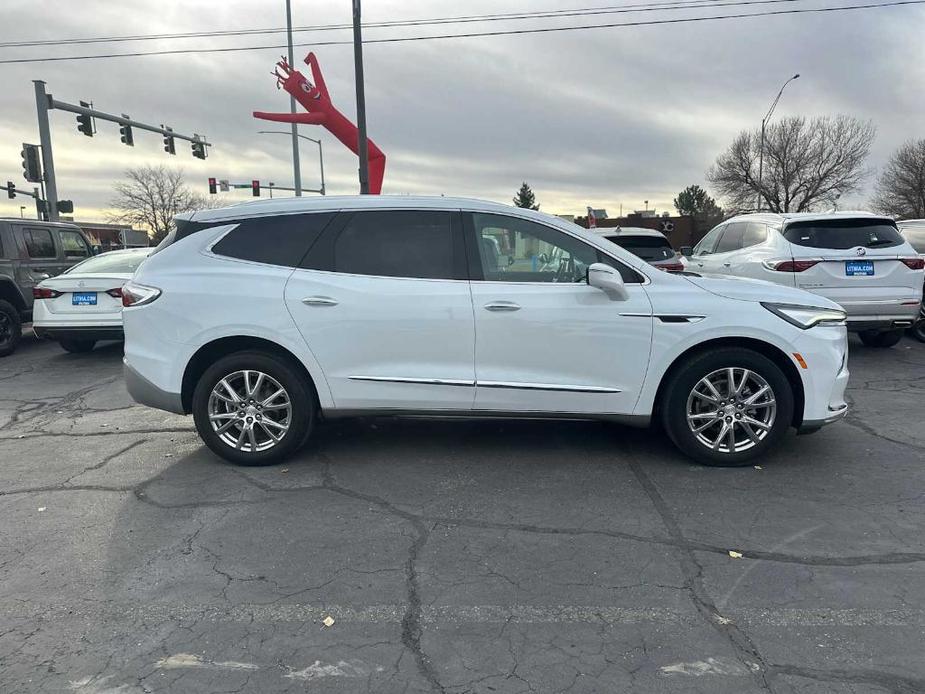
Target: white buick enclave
x=262, y=317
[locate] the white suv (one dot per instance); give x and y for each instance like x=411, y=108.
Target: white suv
x=260, y=318
x=856, y=259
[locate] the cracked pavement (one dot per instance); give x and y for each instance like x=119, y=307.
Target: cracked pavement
x=479, y=556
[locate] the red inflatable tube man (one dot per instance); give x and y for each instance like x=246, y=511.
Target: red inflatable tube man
x=317, y=101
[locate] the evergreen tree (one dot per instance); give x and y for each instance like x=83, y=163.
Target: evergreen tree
x=525, y=198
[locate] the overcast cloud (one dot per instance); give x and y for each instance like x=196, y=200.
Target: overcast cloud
x=605, y=117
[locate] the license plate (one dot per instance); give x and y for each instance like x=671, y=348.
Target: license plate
x=83, y=298
x=855, y=268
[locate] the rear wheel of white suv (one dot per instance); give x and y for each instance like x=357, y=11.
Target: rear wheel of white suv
x=727, y=406
x=253, y=408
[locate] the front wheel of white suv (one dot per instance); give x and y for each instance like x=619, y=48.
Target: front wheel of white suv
x=727, y=406
x=253, y=408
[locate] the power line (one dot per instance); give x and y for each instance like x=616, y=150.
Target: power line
x=509, y=32
x=503, y=17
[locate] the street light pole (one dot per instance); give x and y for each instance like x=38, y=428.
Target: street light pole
x=310, y=139
x=363, y=149
x=296, y=169
x=764, y=122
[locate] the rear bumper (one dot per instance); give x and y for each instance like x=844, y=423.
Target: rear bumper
x=146, y=393
x=79, y=333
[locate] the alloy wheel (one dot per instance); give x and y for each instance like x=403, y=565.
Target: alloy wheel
x=250, y=411
x=731, y=410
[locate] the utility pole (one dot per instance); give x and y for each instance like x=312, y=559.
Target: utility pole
x=296, y=168
x=51, y=186
x=363, y=149
x=764, y=122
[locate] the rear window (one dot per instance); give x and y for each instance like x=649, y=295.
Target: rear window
x=118, y=262
x=649, y=248
x=844, y=233
x=915, y=236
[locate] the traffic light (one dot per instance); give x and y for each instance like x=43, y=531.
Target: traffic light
x=66, y=206
x=10, y=190
x=255, y=187
x=212, y=189
x=199, y=149
x=169, y=142
x=85, y=121
x=31, y=164
x=126, y=132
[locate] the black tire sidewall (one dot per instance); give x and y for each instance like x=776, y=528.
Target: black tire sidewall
x=674, y=409
x=77, y=346
x=9, y=346
x=303, y=406
x=881, y=339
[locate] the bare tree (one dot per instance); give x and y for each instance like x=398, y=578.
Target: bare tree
x=807, y=164
x=150, y=197
x=901, y=187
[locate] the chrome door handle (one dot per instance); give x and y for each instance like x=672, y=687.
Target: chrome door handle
x=319, y=301
x=727, y=264
x=502, y=306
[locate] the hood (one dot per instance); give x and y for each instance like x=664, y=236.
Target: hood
x=758, y=290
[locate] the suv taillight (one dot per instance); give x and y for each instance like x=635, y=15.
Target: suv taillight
x=913, y=263
x=44, y=293
x=138, y=294
x=790, y=265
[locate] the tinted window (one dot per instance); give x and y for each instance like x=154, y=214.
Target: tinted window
x=708, y=242
x=396, y=243
x=844, y=233
x=915, y=236
x=648, y=248
x=731, y=239
x=73, y=244
x=120, y=262
x=281, y=240
x=39, y=243
x=755, y=233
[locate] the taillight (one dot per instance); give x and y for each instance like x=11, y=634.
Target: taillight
x=671, y=267
x=790, y=265
x=115, y=293
x=44, y=293
x=138, y=294
x=913, y=263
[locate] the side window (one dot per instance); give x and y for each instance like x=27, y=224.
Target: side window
x=708, y=242
x=397, y=243
x=73, y=244
x=39, y=243
x=755, y=233
x=280, y=240
x=731, y=239
x=518, y=250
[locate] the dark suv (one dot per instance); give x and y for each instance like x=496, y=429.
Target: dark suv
x=31, y=251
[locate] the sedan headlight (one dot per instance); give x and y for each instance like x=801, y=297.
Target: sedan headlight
x=805, y=317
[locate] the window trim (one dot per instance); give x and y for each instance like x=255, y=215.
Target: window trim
x=474, y=260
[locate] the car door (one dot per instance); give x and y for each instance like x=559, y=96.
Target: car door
x=382, y=300
x=699, y=260
x=727, y=248
x=40, y=256
x=546, y=341
x=74, y=247
x=747, y=262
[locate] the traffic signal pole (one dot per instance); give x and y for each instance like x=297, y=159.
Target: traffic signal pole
x=48, y=161
x=363, y=148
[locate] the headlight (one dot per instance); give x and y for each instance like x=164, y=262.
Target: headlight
x=138, y=294
x=805, y=317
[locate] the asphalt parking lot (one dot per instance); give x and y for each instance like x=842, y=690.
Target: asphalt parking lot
x=454, y=556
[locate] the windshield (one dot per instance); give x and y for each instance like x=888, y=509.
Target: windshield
x=117, y=262
x=844, y=233
x=649, y=248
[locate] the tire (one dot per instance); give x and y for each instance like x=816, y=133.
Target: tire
x=918, y=329
x=679, y=399
x=887, y=338
x=10, y=328
x=77, y=346
x=292, y=425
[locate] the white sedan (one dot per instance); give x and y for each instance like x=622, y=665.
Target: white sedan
x=84, y=304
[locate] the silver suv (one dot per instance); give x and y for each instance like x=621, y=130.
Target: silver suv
x=31, y=251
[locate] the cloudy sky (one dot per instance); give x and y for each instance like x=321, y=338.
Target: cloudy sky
x=606, y=117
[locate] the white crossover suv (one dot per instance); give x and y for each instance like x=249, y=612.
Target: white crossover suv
x=261, y=318
x=856, y=259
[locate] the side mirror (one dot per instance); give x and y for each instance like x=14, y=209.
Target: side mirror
x=687, y=251
x=608, y=280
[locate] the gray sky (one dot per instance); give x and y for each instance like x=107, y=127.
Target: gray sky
x=602, y=117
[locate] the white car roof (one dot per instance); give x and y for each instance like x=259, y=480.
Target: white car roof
x=784, y=217
x=629, y=231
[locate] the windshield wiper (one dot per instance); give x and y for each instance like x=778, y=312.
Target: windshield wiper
x=880, y=242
